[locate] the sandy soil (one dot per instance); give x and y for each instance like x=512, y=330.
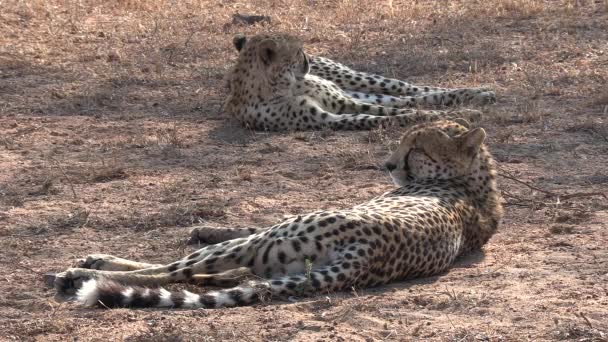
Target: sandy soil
x=112, y=141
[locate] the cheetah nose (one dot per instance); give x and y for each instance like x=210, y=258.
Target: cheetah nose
x=390, y=166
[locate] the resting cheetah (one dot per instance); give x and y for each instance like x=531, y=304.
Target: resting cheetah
x=447, y=205
x=276, y=86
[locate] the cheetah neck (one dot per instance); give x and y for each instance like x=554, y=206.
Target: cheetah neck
x=474, y=196
x=248, y=85
x=484, y=200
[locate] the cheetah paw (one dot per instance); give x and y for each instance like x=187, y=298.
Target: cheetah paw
x=484, y=97
x=471, y=115
x=101, y=262
x=202, y=235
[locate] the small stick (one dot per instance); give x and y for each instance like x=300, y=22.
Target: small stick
x=506, y=174
x=524, y=201
x=583, y=194
x=29, y=269
x=65, y=175
x=586, y=319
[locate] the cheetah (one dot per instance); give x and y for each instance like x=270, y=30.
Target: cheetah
x=447, y=204
x=276, y=86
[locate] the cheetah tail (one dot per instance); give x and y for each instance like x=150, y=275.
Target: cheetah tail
x=109, y=294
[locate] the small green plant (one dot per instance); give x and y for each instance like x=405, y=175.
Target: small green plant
x=308, y=266
x=306, y=286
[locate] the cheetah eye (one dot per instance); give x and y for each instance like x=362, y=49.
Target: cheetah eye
x=425, y=154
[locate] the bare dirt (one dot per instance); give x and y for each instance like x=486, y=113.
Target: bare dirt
x=112, y=140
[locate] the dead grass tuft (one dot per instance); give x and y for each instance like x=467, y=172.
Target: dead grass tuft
x=561, y=229
x=601, y=100
x=46, y=188
x=108, y=173
x=594, y=127
x=520, y=8
x=176, y=215
x=76, y=218
x=570, y=330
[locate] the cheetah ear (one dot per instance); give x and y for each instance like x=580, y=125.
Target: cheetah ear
x=239, y=41
x=470, y=142
x=306, y=65
x=267, y=51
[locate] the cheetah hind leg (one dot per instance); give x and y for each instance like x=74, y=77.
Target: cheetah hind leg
x=71, y=281
x=205, y=235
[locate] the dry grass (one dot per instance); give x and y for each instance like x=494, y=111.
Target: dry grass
x=112, y=140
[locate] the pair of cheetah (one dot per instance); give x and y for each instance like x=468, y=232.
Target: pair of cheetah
x=447, y=203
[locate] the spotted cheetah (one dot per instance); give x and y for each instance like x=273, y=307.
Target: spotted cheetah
x=276, y=86
x=447, y=205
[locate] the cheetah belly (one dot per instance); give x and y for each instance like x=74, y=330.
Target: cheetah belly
x=279, y=258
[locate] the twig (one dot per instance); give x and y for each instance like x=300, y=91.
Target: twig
x=391, y=332
x=583, y=194
x=29, y=269
x=187, y=42
x=586, y=319
x=448, y=40
x=55, y=309
x=501, y=266
x=450, y=320
x=103, y=304
x=172, y=51
x=452, y=295
x=506, y=174
x=532, y=202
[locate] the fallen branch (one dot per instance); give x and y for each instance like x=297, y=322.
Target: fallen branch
x=506, y=174
x=526, y=202
x=583, y=194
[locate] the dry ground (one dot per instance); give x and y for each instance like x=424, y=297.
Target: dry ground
x=112, y=140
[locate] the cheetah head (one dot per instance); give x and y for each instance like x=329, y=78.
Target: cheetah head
x=278, y=57
x=437, y=150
